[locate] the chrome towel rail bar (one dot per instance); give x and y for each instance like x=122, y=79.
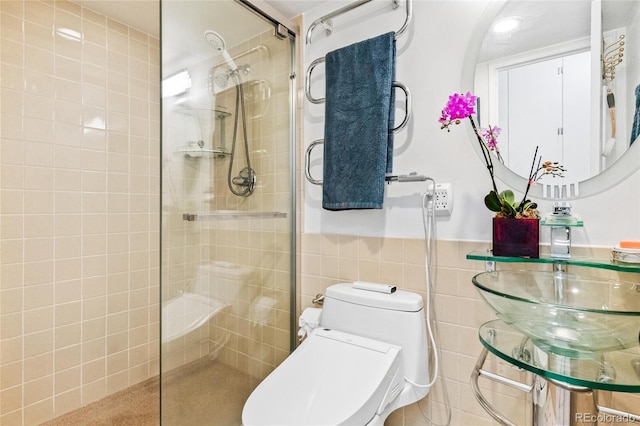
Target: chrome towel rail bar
x=310, y=98
x=399, y=85
x=326, y=22
x=411, y=177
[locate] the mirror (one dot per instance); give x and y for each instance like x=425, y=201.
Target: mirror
x=544, y=83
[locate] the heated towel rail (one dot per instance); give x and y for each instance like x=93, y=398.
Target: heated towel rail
x=326, y=22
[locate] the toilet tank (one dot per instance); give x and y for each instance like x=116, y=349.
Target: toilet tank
x=223, y=281
x=397, y=318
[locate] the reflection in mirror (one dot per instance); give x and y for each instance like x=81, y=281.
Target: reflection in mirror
x=564, y=76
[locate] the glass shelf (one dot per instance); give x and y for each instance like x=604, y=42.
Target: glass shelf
x=571, y=221
x=617, y=371
x=590, y=262
x=192, y=152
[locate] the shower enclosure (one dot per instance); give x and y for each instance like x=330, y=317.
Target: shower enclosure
x=228, y=211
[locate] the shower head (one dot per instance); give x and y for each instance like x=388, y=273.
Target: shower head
x=218, y=43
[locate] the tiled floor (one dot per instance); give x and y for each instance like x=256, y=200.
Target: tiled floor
x=205, y=393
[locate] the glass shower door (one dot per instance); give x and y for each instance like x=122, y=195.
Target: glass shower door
x=227, y=208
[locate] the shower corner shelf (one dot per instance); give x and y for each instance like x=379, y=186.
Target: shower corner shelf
x=196, y=148
x=220, y=112
x=202, y=152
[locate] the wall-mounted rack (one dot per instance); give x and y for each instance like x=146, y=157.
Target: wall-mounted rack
x=326, y=20
x=611, y=57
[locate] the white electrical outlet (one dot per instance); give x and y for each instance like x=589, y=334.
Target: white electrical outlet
x=443, y=199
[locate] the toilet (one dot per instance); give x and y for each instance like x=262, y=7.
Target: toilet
x=367, y=358
x=215, y=287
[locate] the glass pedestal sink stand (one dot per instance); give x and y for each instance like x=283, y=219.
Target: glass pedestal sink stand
x=567, y=375
x=555, y=372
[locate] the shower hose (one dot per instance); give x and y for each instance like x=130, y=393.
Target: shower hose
x=246, y=180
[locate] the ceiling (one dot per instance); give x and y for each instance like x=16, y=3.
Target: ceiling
x=291, y=8
x=546, y=23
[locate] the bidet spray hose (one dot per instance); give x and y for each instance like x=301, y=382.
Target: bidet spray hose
x=427, y=205
x=427, y=201
x=428, y=222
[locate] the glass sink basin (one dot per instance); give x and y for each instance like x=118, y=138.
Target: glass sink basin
x=567, y=314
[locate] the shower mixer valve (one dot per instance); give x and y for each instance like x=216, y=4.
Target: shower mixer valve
x=246, y=179
x=221, y=77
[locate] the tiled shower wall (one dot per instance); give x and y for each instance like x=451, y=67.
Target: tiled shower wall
x=252, y=333
x=79, y=164
x=260, y=335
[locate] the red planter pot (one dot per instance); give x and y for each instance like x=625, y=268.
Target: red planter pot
x=516, y=237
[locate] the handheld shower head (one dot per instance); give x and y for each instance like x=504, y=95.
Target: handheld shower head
x=218, y=43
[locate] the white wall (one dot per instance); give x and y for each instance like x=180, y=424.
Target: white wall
x=631, y=68
x=430, y=58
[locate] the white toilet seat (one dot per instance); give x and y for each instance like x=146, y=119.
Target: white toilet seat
x=333, y=378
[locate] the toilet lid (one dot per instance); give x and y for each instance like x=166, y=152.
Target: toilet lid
x=332, y=378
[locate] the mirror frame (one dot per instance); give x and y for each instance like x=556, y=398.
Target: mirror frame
x=619, y=171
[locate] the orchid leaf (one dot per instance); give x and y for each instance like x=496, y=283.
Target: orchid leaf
x=508, y=210
x=492, y=201
x=507, y=196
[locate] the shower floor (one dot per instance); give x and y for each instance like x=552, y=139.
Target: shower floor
x=204, y=392
x=137, y=405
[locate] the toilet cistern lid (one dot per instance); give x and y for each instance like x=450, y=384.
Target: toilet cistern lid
x=332, y=378
x=400, y=300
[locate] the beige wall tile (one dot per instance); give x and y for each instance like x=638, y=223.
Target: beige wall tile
x=11, y=326
x=38, y=412
x=11, y=350
x=55, y=196
x=66, y=380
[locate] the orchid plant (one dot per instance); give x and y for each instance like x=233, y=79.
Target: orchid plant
x=503, y=203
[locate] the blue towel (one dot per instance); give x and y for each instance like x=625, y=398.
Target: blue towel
x=635, y=129
x=359, y=110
